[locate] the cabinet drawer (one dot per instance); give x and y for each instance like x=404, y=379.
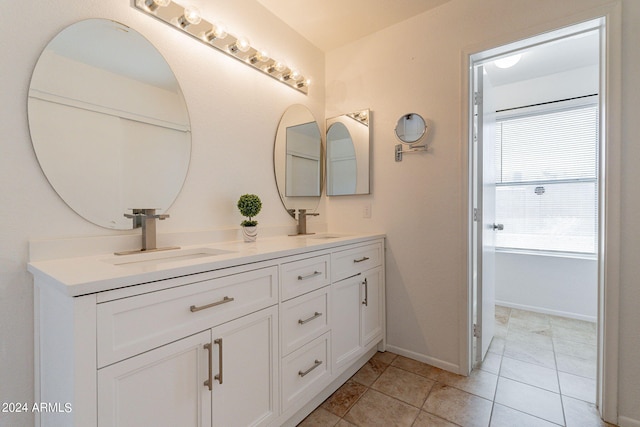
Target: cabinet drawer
x=129, y=326
x=305, y=275
x=303, y=319
x=305, y=371
x=352, y=261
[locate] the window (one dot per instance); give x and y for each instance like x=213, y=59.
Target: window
x=546, y=179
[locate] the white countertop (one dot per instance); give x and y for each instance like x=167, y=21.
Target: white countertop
x=86, y=275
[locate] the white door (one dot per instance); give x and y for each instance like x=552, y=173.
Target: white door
x=245, y=370
x=162, y=387
x=485, y=226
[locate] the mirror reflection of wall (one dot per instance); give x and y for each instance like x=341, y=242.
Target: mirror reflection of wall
x=108, y=122
x=348, y=145
x=410, y=128
x=342, y=170
x=297, y=159
x=303, y=160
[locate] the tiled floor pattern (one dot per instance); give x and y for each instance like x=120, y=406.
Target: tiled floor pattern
x=540, y=371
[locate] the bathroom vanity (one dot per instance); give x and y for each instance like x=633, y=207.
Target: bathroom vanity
x=227, y=334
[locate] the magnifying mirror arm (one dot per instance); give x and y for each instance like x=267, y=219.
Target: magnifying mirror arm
x=411, y=149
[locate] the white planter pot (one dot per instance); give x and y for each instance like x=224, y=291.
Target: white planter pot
x=250, y=233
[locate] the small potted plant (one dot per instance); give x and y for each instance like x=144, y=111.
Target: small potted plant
x=249, y=206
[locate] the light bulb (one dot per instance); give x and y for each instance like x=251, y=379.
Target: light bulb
x=191, y=15
x=260, y=56
x=280, y=66
x=241, y=44
x=217, y=31
x=152, y=5
x=292, y=75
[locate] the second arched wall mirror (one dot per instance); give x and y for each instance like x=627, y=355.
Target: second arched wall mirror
x=348, y=145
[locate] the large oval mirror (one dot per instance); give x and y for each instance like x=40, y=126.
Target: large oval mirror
x=108, y=122
x=348, y=141
x=297, y=159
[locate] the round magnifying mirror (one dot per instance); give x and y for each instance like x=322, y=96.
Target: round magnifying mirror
x=411, y=128
x=108, y=122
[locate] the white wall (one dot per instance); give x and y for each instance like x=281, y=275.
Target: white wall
x=558, y=285
x=416, y=66
x=234, y=114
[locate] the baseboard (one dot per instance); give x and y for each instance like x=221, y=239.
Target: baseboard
x=451, y=367
x=592, y=319
x=628, y=422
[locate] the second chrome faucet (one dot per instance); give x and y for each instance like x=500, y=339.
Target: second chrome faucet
x=302, y=221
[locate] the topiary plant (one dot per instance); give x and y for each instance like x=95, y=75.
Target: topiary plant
x=249, y=206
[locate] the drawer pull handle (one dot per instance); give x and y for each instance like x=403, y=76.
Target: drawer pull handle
x=209, y=381
x=224, y=300
x=315, y=365
x=364, y=258
x=309, y=276
x=218, y=377
x=316, y=315
x=366, y=293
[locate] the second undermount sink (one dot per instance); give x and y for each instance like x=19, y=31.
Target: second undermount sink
x=159, y=257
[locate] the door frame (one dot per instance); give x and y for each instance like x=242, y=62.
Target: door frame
x=610, y=102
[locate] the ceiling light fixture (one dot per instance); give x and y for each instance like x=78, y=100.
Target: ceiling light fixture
x=189, y=20
x=508, y=62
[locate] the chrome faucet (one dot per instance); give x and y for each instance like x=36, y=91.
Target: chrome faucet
x=146, y=218
x=302, y=221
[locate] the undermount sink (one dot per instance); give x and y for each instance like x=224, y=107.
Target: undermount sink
x=159, y=257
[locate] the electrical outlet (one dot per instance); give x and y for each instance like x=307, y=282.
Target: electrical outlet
x=366, y=211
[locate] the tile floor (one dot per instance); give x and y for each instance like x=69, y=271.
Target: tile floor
x=540, y=371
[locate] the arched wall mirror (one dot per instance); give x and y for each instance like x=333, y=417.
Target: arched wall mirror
x=297, y=159
x=108, y=122
x=348, y=142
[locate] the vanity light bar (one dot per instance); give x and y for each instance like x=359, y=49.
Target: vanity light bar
x=188, y=20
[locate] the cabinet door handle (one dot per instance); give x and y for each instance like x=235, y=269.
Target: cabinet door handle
x=218, y=376
x=209, y=381
x=315, y=365
x=315, y=315
x=308, y=276
x=366, y=293
x=224, y=300
x=364, y=258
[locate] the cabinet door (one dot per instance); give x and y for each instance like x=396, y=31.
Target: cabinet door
x=345, y=321
x=371, y=306
x=245, y=369
x=162, y=387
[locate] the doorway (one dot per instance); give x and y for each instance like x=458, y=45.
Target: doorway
x=516, y=156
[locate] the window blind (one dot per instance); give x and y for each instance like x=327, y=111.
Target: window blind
x=546, y=177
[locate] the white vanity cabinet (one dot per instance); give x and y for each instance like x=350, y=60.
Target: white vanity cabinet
x=357, y=296
x=259, y=341
x=170, y=380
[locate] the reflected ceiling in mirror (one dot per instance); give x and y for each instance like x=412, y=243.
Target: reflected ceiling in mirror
x=108, y=122
x=297, y=159
x=348, y=145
